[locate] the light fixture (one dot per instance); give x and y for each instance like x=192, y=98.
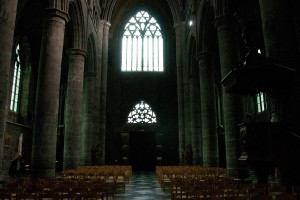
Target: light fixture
x=259, y=51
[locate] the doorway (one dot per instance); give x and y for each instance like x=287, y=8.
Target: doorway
x=142, y=151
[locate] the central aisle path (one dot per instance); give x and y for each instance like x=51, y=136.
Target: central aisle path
x=143, y=186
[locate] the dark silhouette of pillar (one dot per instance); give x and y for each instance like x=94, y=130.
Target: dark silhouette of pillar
x=87, y=133
x=180, y=30
x=208, y=111
x=8, y=10
x=195, y=116
x=279, y=31
x=103, y=93
x=232, y=104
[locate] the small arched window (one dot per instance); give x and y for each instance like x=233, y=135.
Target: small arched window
x=15, y=93
x=142, y=113
x=142, y=44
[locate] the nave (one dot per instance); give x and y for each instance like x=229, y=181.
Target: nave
x=143, y=185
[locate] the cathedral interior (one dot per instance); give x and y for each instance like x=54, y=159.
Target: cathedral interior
x=210, y=83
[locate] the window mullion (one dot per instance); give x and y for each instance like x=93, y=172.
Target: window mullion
x=126, y=60
x=148, y=63
x=142, y=64
x=157, y=48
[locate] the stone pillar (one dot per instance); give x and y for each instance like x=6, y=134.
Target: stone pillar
x=180, y=31
x=195, y=116
x=187, y=109
x=280, y=44
x=232, y=104
x=87, y=128
x=279, y=31
x=47, y=96
x=8, y=10
x=208, y=111
x=98, y=67
x=73, y=109
x=103, y=91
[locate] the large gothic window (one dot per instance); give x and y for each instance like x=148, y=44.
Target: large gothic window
x=16, y=83
x=142, y=113
x=142, y=44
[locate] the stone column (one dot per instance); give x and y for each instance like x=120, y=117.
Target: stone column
x=280, y=38
x=47, y=96
x=232, y=104
x=98, y=69
x=195, y=116
x=279, y=31
x=103, y=91
x=187, y=109
x=8, y=10
x=208, y=111
x=87, y=128
x=180, y=31
x=73, y=109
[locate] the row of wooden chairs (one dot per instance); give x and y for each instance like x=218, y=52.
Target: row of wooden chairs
x=72, y=184
x=55, y=189
x=195, y=182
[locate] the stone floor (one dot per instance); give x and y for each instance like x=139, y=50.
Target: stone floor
x=143, y=186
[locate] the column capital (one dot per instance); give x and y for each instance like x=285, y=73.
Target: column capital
x=53, y=12
x=80, y=52
x=105, y=23
x=224, y=21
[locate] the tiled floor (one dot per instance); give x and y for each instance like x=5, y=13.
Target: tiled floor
x=143, y=186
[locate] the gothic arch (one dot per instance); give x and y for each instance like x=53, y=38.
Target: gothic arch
x=192, y=62
x=109, y=6
x=90, y=66
x=78, y=25
x=205, y=28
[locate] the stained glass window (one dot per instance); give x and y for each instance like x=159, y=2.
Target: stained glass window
x=261, y=102
x=142, y=113
x=142, y=44
x=15, y=93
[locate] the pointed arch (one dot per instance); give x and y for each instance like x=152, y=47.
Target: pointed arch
x=90, y=65
x=205, y=17
x=108, y=7
x=192, y=62
x=78, y=25
x=142, y=44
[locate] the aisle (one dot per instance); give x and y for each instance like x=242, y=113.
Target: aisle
x=143, y=186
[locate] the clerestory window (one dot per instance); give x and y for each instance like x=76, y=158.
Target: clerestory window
x=142, y=44
x=142, y=113
x=14, y=100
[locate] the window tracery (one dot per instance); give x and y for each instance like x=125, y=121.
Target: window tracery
x=142, y=113
x=142, y=44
